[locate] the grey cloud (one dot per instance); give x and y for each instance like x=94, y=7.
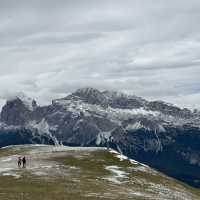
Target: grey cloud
x=58, y=38
x=50, y=48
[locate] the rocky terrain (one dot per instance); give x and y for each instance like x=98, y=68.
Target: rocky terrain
x=58, y=172
x=156, y=133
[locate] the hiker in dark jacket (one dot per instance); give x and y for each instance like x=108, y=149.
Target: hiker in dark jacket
x=24, y=161
x=19, y=161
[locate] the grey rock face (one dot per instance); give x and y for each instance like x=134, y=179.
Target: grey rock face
x=15, y=113
x=91, y=96
x=169, y=109
x=155, y=132
x=120, y=100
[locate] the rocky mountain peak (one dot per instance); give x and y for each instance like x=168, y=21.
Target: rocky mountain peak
x=28, y=102
x=123, y=100
x=18, y=109
x=91, y=95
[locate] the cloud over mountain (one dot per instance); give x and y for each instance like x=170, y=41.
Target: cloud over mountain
x=50, y=48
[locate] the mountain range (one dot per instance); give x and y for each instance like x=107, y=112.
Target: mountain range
x=155, y=133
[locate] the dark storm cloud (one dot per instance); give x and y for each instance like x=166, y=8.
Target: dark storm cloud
x=151, y=48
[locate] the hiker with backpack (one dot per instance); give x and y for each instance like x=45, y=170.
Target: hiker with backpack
x=24, y=161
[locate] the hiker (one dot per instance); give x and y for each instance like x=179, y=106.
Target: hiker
x=19, y=161
x=24, y=161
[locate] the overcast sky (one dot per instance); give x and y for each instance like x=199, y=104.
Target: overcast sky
x=150, y=48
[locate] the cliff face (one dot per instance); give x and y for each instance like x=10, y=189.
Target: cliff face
x=15, y=113
x=156, y=133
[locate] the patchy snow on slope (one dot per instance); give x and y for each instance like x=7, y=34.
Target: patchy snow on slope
x=115, y=114
x=5, y=169
x=123, y=157
x=13, y=174
x=9, y=158
x=137, y=111
x=164, y=191
x=117, y=176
